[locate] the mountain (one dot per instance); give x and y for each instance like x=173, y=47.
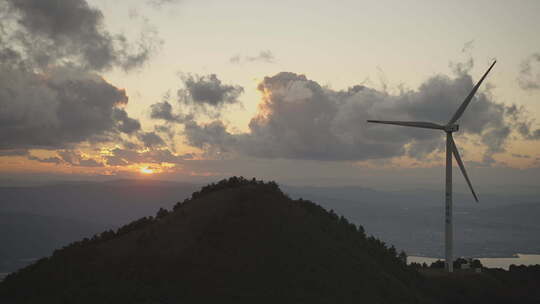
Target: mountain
x=245, y=241
x=241, y=241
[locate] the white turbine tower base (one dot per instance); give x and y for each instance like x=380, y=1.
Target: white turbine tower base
x=451, y=148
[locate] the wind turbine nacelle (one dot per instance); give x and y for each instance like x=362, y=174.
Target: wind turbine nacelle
x=451, y=128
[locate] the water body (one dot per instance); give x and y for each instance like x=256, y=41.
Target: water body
x=504, y=263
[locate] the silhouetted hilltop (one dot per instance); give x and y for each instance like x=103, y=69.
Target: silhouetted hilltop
x=237, y=241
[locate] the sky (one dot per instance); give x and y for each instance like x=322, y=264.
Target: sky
x=200, y=90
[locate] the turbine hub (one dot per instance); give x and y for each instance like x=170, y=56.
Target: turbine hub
x=451, y=128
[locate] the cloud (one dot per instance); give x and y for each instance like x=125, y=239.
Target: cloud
x=45, y=33
x=51, y=95
x=58, y=108
x=163, y=110
x=76, y=159
x=212, y=137
x=300, y=119
x=517, y=155
x=467, y=46
x=89, y=163
x=204, y=94
x=169, y=132
x=528, y=133
x=13, y=153
x=123, y=157
x=52, y=160
x=151, y=139
x=125, y=123
x=208, y=91
x=522, y=123
x=264, y=56
x=535, y=135
x=529, y=77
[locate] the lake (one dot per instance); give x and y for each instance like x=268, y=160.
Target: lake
x=504, y=263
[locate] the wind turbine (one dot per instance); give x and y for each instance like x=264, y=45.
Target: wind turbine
x=451, y=148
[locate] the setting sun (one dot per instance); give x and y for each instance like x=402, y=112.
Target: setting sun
x=146, y=170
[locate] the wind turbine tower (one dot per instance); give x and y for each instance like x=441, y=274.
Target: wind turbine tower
x=451, y=148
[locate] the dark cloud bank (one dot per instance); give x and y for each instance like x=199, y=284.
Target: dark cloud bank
x=51, y=94
x=44, y=33
x=300, y=119
x=61, y=108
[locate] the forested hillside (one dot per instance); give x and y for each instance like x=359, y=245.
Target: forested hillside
x=245, y=241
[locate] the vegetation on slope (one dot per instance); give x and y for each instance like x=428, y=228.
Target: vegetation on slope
x=239, y=241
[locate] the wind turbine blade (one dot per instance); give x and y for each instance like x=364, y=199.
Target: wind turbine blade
x=467, y=100
x=461, y=166
x=417, y=124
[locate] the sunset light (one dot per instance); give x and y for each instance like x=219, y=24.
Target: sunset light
x=146, y=170
x=171, y=151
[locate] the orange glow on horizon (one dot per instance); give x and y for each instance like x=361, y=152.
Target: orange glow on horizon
x=146, y=170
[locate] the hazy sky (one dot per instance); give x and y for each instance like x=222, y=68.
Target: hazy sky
x=195, y=90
